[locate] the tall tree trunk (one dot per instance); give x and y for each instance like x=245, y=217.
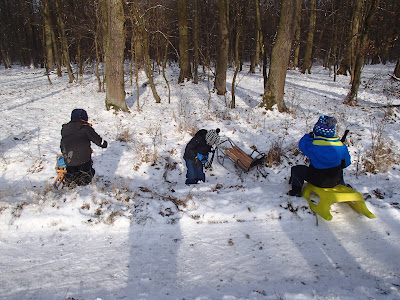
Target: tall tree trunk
x=64, y=42
x=362, y=49
x=223, y=47
x=115, y=92
x=164, y=66
x=97, y=48
x=5, y=56
x=195, y=42
x=47, y=36
x=297, y=35
x=32, y=49
x=255, y=59
x=139, y=52
x=237, y=40
x=273, y=93
x=310, y=38
x=332, y=58
x=349, y=58
x=397, y=69
x=146, y=49
x=184, y=60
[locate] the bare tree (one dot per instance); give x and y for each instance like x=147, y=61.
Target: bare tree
x=144, y=35
x=297, y=32
x=115, y=45
x=195, y=42
x=257, y=39
x=64, y=42
x=310, y=38
x=397, y=69
x=361, y=50
x=223, y=47
x=184, y=60
x=274, y=90
x=348, y=61
x=237, y=40
x=48, y=42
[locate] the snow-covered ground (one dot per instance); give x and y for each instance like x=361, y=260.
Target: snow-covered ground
x=138, y=232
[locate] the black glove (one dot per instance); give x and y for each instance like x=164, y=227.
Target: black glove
x=197, y=163
x=312, y=135
x=104, y=144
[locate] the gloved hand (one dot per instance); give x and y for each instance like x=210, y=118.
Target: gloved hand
x=104, y=144
x=202, y=158
x=312, y=135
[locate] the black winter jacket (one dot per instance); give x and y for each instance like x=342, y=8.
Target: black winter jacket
x=196, y=145
x=75, y=142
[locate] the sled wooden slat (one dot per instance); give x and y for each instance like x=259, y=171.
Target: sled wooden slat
x=242, y=161
x=240, y=158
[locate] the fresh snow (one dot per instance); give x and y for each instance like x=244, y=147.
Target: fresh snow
x=138, y=232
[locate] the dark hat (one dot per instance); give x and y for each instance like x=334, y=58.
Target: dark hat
x=325, y=127
x=79, y=114
x=212, y=136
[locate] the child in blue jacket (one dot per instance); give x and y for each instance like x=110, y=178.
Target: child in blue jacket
x=328, y=157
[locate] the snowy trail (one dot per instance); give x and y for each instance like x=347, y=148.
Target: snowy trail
x=201, y=260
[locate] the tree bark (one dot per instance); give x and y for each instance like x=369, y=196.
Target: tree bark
x=223, y=47
x=5, y=56
x=349, y=58
x=64, y=42
x=195, y=42
x=256, y=56
x=184, y=61
x=115, y=92
x=310, y=38
x=47, y=36
x=397, y=69
x=146, y=49
x=362, y=49
x=237, y=63
x=297, y=32
x=273, y=93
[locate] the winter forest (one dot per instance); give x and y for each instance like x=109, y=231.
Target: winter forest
x=150, y=74
x=340, y=35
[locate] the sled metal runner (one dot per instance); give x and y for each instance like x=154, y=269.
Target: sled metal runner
x=244, y=163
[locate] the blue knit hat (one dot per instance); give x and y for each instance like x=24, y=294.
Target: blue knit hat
x=325, y=127
x=79, y=114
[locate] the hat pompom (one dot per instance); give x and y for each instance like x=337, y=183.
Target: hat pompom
x=325, y=127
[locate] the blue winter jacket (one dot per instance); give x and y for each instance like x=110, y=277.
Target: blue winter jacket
x=325, y=153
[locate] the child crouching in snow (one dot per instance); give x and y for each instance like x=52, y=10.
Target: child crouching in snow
x=75, y=147
x=328, y=157
x=196, y=154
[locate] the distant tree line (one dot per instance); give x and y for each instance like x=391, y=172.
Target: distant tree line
x=210, y=35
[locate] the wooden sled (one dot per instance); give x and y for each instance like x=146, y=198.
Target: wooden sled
x=61, y=170
x=242, y=161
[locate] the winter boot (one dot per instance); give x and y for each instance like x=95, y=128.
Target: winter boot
x=295, y=191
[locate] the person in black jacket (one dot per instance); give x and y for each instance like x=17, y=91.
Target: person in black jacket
x=196, y=154
x=75, y=147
